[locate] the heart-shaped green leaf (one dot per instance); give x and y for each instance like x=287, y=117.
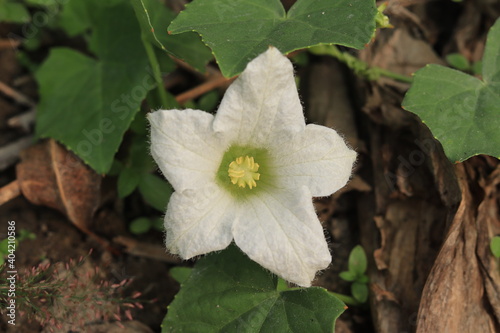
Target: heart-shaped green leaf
x=227, y=292
x=153, y=17
x=87, y=103
x=462, y=111
x=239, y=30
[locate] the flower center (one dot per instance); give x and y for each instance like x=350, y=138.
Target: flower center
x=243, y=171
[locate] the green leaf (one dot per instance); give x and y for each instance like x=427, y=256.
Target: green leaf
x=155, y=191
x=227, y=292
x=157, y=223
x=86, y=103
x=138, y=164
x=477, y=67
x=42, y=3
x=139, y=157
x=33, y=42
x=458, y=61
x=359, y=291
x=139, y=125
x=363, y=279
x=239, y=30
x=357, y=260
x=461, y=111
x=495, y=246
x=154, y=17
x=282, y=285
x=116, y=168
x=491, y=60
x=180, y=274
x=209, y=101
x=140, y=225
x=75, y=18
x=128, y=180
x=300, y=59
x=13, y=12
x=4, y=246
x=25, y=234
x=348, y=276
x=165, y=62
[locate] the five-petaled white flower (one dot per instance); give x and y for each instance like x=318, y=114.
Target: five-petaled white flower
x=250, y=172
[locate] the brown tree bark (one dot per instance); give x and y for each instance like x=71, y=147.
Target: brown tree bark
x=424, y=222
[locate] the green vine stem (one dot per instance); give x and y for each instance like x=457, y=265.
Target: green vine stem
x=358, y=66
x=155, y=66
x=349, y=300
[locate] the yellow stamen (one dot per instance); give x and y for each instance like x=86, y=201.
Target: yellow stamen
x=243, y=171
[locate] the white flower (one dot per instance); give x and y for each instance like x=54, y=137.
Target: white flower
x=249, y=173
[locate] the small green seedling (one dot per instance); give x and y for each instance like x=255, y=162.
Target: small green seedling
x=4, y=244
x=142, y=225
x=209, y=101
x=458, y=61
x=356, y=274
x=495, y=246
x=136, y=173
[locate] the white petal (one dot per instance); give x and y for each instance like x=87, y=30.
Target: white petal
x=199, y=221
x=281, y=232
x=185, y=147
x=317, y=158
x=262, y=103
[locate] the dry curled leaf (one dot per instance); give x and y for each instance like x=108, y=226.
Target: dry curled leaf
x=464, y=280
x=51, y=176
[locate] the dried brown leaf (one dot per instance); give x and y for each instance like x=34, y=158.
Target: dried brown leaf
x=464, y=281
x=51, y=176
